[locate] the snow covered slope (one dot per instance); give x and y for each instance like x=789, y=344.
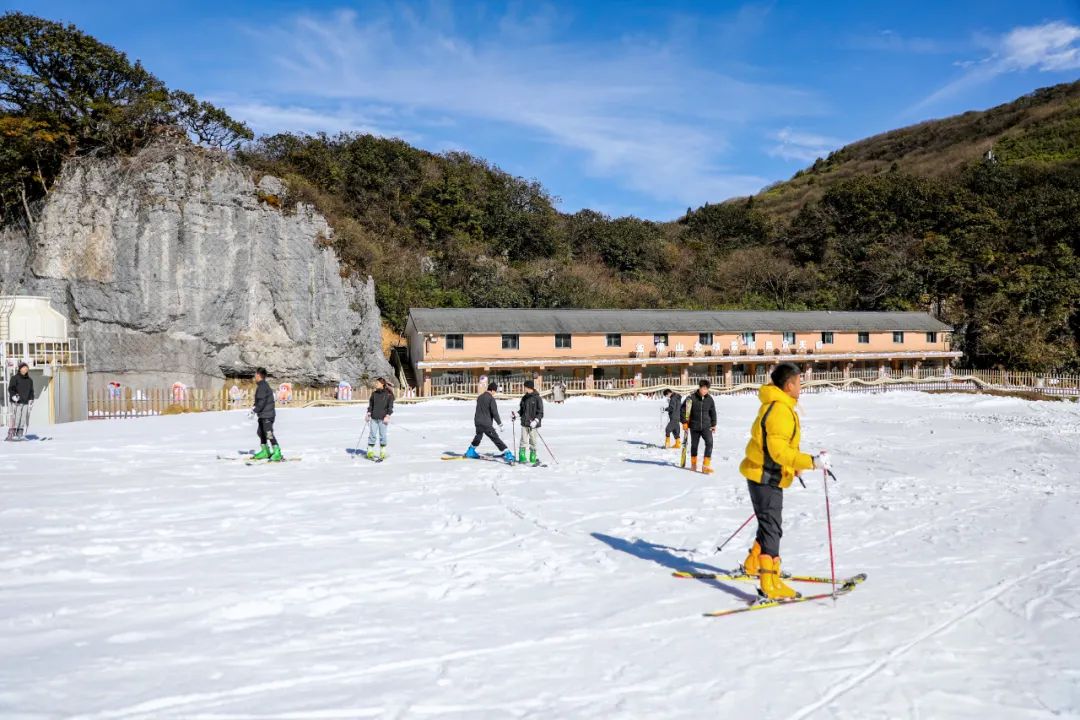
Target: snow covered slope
x=141, y=577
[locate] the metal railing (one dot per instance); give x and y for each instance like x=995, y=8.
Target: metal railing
x=37, y=354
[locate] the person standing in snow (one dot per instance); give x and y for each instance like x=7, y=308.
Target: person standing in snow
x=485, y=419
x=772, y=462
x=21, y=398
x=699, y=411
x=380, y=408
x=265, y=412
x=531, y=412
x=672, y=408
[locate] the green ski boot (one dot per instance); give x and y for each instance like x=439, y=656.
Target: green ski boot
x=533, y=460
x=275, y=456
x=521, y=455
x=263, y=454
x=382, y=453
x=370, y=452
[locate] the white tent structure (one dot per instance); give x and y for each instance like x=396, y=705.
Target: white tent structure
x=31, y=331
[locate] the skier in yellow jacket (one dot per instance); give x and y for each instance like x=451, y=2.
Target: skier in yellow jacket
x=772, y=462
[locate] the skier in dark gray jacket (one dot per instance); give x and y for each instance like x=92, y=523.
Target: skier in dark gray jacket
x=531, y=413
x=673, y=410
x=380, y=408
x=265, y=411
x=20, y=400
x=485, y=419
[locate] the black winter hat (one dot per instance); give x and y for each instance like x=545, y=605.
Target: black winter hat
x=493, y=387
x=530, y=384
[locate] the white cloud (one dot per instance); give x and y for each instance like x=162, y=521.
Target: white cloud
x=802, y=146
x=267, y=118
x=892, y=41
x=1050, y=47
x=640, y=113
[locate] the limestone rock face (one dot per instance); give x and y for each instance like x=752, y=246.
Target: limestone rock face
x=178, y=264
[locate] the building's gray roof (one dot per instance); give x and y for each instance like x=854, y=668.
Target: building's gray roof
x=487, y=321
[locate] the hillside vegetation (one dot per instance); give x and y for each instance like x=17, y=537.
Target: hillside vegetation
x=1042, y=127
x=909, y=220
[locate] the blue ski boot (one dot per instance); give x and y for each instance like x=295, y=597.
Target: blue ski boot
x=508, y=456
x=471, y=453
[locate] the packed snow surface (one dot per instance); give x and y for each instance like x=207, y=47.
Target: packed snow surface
x=142, y=577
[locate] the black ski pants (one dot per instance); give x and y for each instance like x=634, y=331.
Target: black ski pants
x=695, y=436
x=673, y=428
x=768, y=501
x=266, y=431
x=489, y=430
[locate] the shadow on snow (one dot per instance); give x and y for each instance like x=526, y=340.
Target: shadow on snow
x=665, y=556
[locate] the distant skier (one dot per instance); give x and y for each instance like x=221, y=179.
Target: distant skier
x=772, y=462
x=531, y=413
x=380, y=408
x=265, y=413
x=558, y=392
x=699, y=410
x=21, y=399
x=672, y=408
x=485, y=419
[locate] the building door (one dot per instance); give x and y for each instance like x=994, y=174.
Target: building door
x=598, y=373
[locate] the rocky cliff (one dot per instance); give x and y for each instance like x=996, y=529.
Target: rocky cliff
x=178, y=264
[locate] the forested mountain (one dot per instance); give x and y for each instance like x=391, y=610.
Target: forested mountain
x=913, y=219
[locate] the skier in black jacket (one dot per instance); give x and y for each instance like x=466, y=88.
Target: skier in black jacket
x=21, y=399
x=700, y=413
x=672, y=408
x=380, y=408
x=531, y=412
x=485, y=419
x=265, y=412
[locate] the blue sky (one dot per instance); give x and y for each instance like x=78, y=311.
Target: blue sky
x=626, y=108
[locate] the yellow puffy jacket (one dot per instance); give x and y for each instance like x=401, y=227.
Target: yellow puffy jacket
x=772, y=455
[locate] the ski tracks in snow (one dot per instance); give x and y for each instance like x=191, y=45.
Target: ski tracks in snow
x=853, y=681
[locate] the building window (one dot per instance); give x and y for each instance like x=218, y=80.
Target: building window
x=659, y=338
x=898, y=337
x=864, y=338
x=511, y=342
x=747, y=338
x=826, y=338
x=614, y=340
x=789, y=338
x=705, y=338
x=455, y=342
x=562, y=341
x=931, y=337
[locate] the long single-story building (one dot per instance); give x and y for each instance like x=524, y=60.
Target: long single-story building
x=457, y=346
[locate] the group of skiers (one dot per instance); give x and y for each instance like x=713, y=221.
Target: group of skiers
x=20, y=402
x=697, y=417
x=380, y=408
x=771, y=463
x=530, y=412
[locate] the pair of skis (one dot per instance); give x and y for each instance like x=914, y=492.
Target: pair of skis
x=249, y=460
x=843, y=587
x=489, y=457
x=685, y=434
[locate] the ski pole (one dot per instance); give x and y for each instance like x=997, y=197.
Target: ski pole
x=545, y=446
x=825, y=473
x=360, y=441
x=513, y=429
x=732, y=536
